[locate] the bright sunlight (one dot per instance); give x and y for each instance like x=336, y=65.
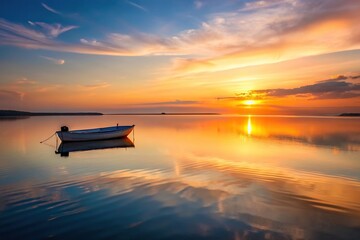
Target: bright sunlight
x=249, y=102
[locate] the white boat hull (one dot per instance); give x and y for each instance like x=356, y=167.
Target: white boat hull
x=95, y=134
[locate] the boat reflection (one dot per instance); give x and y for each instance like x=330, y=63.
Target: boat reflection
x=66, y=147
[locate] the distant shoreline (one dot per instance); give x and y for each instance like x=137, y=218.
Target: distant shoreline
x=162, y=113
x=13, y=113
x=350, y=115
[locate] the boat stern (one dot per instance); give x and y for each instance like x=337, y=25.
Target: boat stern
x=60, y=135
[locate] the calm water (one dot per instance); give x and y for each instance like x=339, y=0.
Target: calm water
x=183, y=177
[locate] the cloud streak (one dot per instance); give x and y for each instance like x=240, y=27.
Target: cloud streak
x=138, y=6
x=18, y=35
x=25, y=81
x=95, y=86
x=337, y=88
x=50, y=9
x=21, y=36
x=11, y=95
x=275, y=31
x=54, y=60
x=176, y=102
x=261, y=32
x=52, y=30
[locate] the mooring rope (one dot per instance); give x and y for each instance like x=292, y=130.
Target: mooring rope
x=49, y=145
x=48, y=138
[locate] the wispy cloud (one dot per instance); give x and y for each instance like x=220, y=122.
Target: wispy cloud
x=198, y=4
x=261, y=32
x=47, y=88
x=336, y=88
x=25, y=81
x=52, y=30
x=323, y=90
x=255, y=5
x=50, y=9
x=340, y=78
x=273, y=31
x=54, y=60
x=11, y=95
x=18, y=35
x=95, y=86
x=44, y=38
x=176, y=102
x=137, y=6
x=23, y=86
x=15, y=34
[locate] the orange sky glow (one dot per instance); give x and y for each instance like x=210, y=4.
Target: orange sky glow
x=262, y=57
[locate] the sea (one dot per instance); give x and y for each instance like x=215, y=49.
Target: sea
x=182, y=177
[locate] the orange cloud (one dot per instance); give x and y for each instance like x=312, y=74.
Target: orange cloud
x=336, y=88
x=25, y=81
x=95, y=86
x=268, y=30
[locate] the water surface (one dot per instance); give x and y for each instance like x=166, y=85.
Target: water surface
x=183, y=177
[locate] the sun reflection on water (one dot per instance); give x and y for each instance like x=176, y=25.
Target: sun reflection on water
x=249, y=126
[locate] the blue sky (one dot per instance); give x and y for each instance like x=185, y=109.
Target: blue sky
x=96, y=18
x=190, y=53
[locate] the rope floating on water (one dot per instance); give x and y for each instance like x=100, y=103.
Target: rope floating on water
x=48, y=138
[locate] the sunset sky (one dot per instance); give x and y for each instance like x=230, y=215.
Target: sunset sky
x=229, y=56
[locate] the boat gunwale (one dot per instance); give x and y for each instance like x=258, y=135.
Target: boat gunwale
x=100, y=130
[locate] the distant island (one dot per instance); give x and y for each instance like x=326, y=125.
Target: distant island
x=13, y=113
x=350, y=115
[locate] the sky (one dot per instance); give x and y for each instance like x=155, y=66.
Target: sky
x=149, y=56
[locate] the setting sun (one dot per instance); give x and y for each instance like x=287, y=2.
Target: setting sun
x=214, y=64
x=249, y=102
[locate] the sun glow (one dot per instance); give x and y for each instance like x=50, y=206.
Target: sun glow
x=249, y=102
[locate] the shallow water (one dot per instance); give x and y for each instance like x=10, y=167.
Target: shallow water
x=183, y=177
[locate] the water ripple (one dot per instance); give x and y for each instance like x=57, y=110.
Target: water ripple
x=144, y=201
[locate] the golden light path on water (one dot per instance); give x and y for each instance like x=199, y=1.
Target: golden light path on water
x=265, y=177
x=249, y=127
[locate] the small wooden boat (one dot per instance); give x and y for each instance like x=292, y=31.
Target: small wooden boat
x=66, y=147
x=94, y=134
